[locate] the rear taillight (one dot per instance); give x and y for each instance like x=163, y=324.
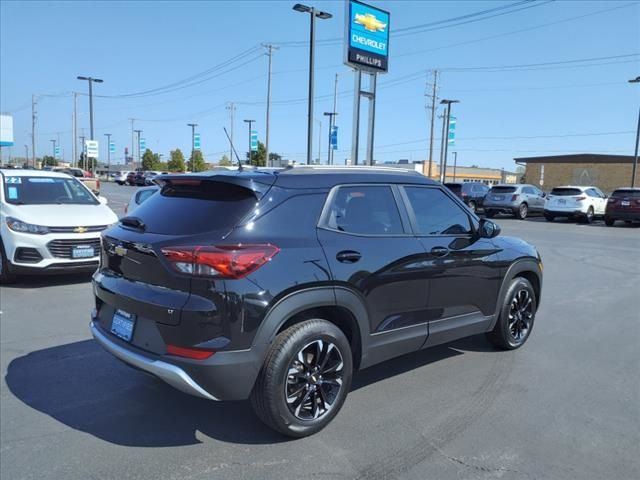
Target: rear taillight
x=194, y=353
x=226, y=261
x=579, y=199
x=514, y=197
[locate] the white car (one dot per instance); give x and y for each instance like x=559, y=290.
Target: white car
x=49, y=223
x=138, y=197
x=575, y=202
x=120, y=177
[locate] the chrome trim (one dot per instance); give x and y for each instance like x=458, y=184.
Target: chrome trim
x=174, y=376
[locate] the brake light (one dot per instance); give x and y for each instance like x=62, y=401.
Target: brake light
x=579, y=199
x=194, y=353
x=226, y=261
x=514, y=197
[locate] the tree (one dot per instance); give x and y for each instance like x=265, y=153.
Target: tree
x=224, y=161
x=259, y=158
x=150, y=160
x=48, y=160
x=196, y=162
x=176, y=162
x=275, y=159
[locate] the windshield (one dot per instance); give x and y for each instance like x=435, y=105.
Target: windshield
x=24, y=190
x=503, y=189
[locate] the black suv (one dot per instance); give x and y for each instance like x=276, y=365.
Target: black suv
x=278, y=284
x=471, y=193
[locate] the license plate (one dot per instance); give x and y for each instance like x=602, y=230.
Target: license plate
x=625, y=204
x=122, y=325
x=562, y=201
x=497, y=197
x=83, y=251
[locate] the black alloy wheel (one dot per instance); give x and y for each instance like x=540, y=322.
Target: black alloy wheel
x=520, y=315
x=517, y=316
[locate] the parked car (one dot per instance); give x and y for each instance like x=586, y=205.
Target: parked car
x=623, y=204
x=236, y=300
x=138, y=197
x=85, y=177
x=149, y=176
x=139, y=179
x=471, y=193
x=49, y=223
x=575, y=202
x=121, y=177
x=518, y=200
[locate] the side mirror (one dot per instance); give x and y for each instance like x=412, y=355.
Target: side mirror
x=103, y=200
x=488, y=229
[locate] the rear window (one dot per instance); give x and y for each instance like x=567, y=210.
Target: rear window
x=192, y=206
x=623, y=192
x=503, y=189
x=566, y=192
x=454, y=187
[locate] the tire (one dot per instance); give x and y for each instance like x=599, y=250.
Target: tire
x=303, y=415
x=609, y=221
x=512, y=331
x=549, y=217
x=6, y=277
x=472, y=206
x=522, y=211
x=587, y=217
x=489, y=213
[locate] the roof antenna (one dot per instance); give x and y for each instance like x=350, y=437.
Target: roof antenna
x=234, y=149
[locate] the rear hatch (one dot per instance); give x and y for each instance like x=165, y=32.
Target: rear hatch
x=501, y=194
x=138, y=278
x=562, y=198
x=624, y=200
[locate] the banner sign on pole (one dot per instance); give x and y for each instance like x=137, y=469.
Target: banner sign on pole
x=91, y=147
x=367, y=37
x=56, y=151
x=196, y=141
x=112, y=147
x=334, y=137
x=143, y=145
x=254, y=140
x=451, y=139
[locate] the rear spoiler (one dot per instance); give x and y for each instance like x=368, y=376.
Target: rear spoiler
x=259, y=181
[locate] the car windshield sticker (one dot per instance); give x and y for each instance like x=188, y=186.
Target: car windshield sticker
x=40, y=180
x=14, y=179
x=13, y=193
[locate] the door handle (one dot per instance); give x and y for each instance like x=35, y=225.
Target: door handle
x=348, y=256
x=439, y=251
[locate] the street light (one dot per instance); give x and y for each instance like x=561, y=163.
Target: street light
x=138, y=132
x=108, y=135
x=635, y=155
x=445, y=138
x=193, y=136
x=313, y=13
x=250, y=122
x=330, y=115
x=53, y=144
x=91, y=80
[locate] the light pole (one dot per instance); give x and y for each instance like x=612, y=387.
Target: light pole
x=635, y=155
x=330, y=115
x=319, y=139
x=53, y=144
x=26, y=154
x=455, y=164
x=108, y=135
x=313, y=13
x=250, y=122
x=193, y=136
x=91, y=80
x=138, y=132
x=445, y=140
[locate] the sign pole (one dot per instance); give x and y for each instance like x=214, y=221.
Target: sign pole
x=372, y=117
x=355, y=138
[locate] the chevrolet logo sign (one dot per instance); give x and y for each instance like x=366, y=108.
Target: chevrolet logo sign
x=370, y=22
x=80, y=229
x=120, y=250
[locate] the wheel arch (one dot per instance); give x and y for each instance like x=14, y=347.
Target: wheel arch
x=527, y=268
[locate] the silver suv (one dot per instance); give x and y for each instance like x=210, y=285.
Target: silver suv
x=518, y=200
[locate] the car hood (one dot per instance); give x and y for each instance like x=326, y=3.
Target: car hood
x=62, y=215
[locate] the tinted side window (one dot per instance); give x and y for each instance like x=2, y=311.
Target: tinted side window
x=436, y=213
x=143, y=195
x=366, y=210
x=592, y=193
x=528, y=190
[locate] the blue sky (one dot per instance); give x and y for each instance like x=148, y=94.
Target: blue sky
x=138, y=46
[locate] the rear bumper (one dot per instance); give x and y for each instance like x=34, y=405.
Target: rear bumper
x=618, y=215
x=565, y=213
x=224, y=376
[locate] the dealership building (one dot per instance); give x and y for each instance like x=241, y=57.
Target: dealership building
x=607, y=172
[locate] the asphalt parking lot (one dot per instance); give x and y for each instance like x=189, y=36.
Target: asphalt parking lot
x=565, y=406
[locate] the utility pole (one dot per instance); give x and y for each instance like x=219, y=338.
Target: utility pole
x=250, y=122
x=53, y=144
x=433, y=118
x=74, y=144
x=193, y=137
x=138, y=132
x=270, y=48
x=34, y=114
x=82, y=137
x=231, y=107
x=442, y=140
x=133, y=159
x=26, y=154
x=108, y=135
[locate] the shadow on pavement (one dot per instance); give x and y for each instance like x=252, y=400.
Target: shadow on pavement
x=85, y=388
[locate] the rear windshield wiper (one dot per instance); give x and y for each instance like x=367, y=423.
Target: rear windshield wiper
x=133, y=222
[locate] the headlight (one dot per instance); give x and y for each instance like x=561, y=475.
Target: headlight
x=22, y=227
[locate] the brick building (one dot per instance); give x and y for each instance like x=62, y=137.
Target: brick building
x=606, y=172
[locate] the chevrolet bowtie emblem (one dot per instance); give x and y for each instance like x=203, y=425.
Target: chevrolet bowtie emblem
x=370, y=22
x=120, y=250
x=80, y=229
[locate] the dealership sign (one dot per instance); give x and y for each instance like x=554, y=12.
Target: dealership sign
x=367, y=37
